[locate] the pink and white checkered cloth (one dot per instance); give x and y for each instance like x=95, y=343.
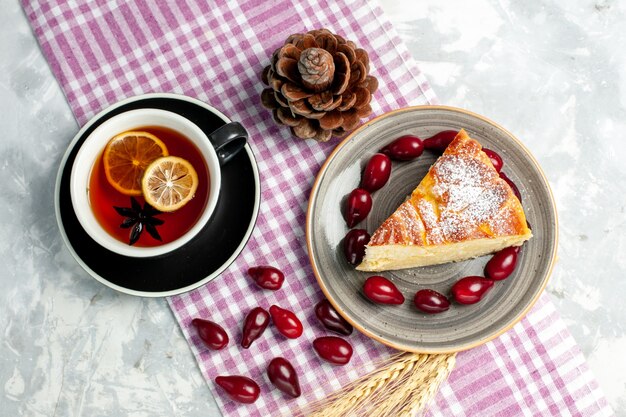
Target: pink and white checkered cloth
x=103, y=51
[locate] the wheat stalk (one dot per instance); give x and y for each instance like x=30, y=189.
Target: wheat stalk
x=401, y=386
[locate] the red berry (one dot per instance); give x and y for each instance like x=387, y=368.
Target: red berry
x=381, y=290
x=512, y=185
x=354, y=245
x=331, y=319
x=440, y=141
x=358, y=206
x=254, y=325
x=212, y=334
x=286, y=322
x=470, y=290
x=284, y=377
x=376, y=173
x=430, y=301
x=496, y=160
x=240, y=388
x=333, y=349
x=404, y=148
x=267, y=277
x=502, y=264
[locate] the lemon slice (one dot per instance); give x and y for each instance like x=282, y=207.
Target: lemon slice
x=126, y=157
x=169, y=183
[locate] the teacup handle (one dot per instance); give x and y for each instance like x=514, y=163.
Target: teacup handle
x=228, y=140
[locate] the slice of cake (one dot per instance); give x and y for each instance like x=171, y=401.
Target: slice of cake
x=462, y=209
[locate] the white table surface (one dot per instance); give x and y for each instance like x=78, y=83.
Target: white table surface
x=553, y=73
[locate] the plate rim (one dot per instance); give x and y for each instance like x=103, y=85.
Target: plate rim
x=409, y=348
x=154, y=294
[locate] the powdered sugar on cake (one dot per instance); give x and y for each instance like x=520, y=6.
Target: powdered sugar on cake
x=429, y=217
x=467, y=196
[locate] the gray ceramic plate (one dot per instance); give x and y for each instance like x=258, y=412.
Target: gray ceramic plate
x=404, y=327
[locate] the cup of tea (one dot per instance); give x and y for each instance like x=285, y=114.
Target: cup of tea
x=145, y=182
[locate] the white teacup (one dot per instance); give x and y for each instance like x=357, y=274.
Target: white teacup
x=228, y=140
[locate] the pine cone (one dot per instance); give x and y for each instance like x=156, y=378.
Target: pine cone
x=319, y=85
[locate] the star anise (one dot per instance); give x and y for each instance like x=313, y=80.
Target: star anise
x=138, y=219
